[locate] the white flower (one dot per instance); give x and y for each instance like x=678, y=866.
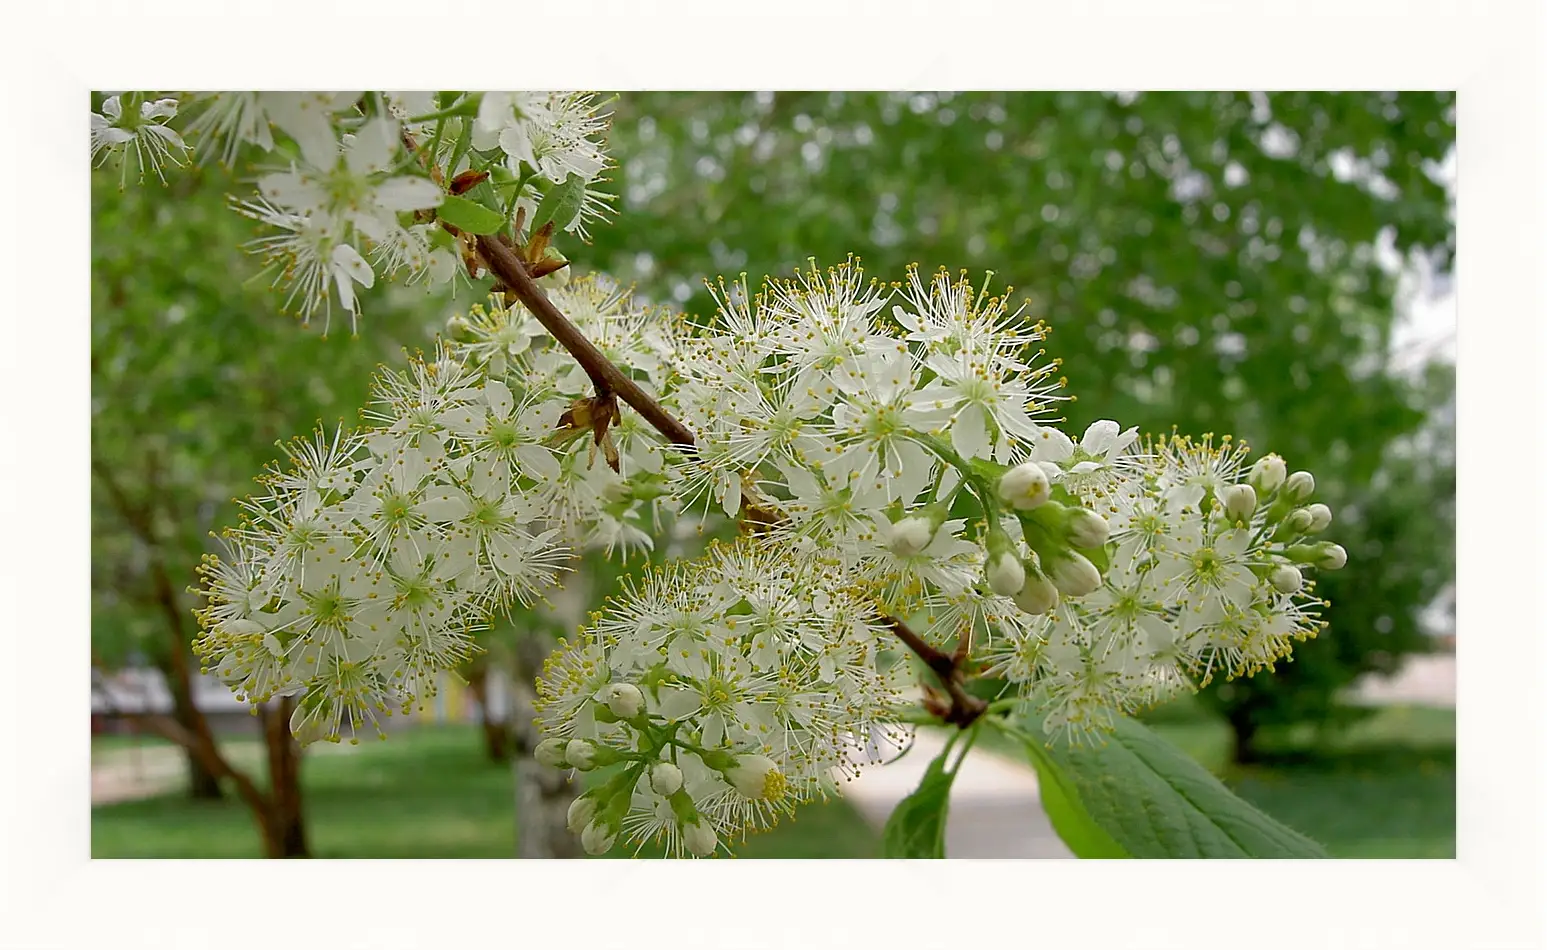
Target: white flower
x=140, y=133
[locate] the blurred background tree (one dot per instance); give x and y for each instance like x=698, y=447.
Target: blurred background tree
x=1224, y=262
x=195, y=377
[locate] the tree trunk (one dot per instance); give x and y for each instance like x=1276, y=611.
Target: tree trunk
x=496, y=732
x=281, y=823
x=543, y=794
x=203, y=784
x=1243, y=727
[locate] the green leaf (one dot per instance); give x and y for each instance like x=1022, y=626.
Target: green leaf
x=1069, y=818
x=469, y=216
x=1152, y=801
x=561, y=204
x=916, y=827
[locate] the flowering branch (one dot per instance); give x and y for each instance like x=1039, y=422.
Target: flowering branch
x=606, y=377
x=965, y=708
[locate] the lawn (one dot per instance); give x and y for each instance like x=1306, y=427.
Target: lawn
x=425, y=793
x=1385, y=788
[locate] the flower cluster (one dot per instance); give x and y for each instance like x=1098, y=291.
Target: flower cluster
x=355, y=178
x=1207, y=567
x=607, y=507
x=715, y=695
x=902, y=440
x=374, y=557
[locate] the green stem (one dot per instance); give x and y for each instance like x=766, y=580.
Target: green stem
x=467, y=106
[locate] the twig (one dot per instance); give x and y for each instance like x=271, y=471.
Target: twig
x=606, y=377
x=965, y=708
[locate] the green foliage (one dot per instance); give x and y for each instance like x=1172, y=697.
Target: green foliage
x=195, y=377
x=916, y=827
x=560, y=205
x=1201, y=259
x=1151, y=801
x=469, y=216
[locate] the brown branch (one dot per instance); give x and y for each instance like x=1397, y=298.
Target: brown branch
x=964, y=708
x=606, y=377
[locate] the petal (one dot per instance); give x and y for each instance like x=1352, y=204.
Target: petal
x=516, y=143
x=1052, y=446
x=348, y=262
x=406, y=193
x=160, y=109
x=1099, y=436
x=969, y=433
x=499, y=398
x=678, y=702
x=373, y=147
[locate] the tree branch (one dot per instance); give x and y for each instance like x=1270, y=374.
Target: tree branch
x=606, y=377
x=964, y=708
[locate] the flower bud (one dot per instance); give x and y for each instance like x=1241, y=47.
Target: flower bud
x=1321, y=517
x=1025, y=486
x=1086, y=529
x=597, y=838
x=580, y=813
x=1074, y=575
x=1286, y=579
x=1038, y=596
x=581, y=754
x=665, y=778
x=1300, y=520
x=1331, y=557
x=550, y=752
x=699, y=838
x=1240, y=501
x=756, y=777
x=1300, y=485
x=624, y=699
x=1005, y=573
x=1268, y=474
x=911, y=535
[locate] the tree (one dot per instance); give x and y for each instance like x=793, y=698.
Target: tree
x=194, y=379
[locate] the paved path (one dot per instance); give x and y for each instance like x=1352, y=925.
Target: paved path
x=996, y=810
x=1428, y=680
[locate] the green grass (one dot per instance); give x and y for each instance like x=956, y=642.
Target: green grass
x=425, y=793
x=1384, y=788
